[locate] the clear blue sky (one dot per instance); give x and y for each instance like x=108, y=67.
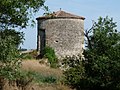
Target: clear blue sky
x=90, y=9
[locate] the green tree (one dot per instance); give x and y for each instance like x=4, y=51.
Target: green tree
x=16, y=13
x=9, y=59
x=101, y=59
x=9, y=55
x=16, y=36
x=102, y=56
x=13, y=14
x=74, y=74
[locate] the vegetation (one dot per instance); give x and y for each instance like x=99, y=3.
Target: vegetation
x=16, y=13
x=40, y=78
x=28, y=77
x=29, y=55
x=74, y=73
x=9, y=55
x=100, y=68
x=13, y=14
x=43, y=77
x=50, y=54
x=26, y=56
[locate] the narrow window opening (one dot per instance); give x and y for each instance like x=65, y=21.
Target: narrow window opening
x=56, y=41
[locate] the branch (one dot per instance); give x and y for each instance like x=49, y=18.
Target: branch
x=87, y=32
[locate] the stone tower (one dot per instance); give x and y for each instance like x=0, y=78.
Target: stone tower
x=62, y=31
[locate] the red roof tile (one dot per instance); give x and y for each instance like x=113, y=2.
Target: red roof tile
x=61, y=14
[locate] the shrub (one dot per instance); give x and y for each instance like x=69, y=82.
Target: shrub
x=9, y=55
x=50, y=54
x=100, y=69
x=102, y=55
x=74, y=72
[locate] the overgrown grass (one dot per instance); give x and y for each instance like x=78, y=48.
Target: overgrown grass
x=26, y=56
x=42, y=71
x=40, y=78
x=29, y=55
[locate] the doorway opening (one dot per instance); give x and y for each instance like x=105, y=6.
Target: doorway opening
x=42, y=41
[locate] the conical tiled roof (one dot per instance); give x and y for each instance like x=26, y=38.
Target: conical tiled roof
x=61, y=14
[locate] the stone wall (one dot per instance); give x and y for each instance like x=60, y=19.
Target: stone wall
x=65, y=35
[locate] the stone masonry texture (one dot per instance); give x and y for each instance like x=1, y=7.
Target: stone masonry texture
x=64, y=35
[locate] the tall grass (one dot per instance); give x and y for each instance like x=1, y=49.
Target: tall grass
x=40, y=78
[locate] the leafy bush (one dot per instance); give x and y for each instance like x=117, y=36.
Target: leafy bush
x=74, y=72
x=100, y=69
x=102, y=55
x=9, y=55
x=17, y=37
x=50, y=54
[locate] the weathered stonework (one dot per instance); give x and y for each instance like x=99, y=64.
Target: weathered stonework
x=64, y=35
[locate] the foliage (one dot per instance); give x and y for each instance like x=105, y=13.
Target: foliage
x=101, y=58
x=16, y=13
x=43, y=79
x=50, y=54
x=26, y=56
x=9, y=57
x=74, y=72
x=23, y=80
x=29, y=55
x=38, y=77
x=16, y=36
x=10, y=61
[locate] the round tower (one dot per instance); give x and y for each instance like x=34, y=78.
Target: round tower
x=62, y=31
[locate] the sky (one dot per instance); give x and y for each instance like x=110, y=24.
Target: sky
x=90, y=9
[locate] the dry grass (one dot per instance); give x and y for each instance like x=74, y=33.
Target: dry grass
x=54, y=87
x=34, y=65
x=38, y=87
